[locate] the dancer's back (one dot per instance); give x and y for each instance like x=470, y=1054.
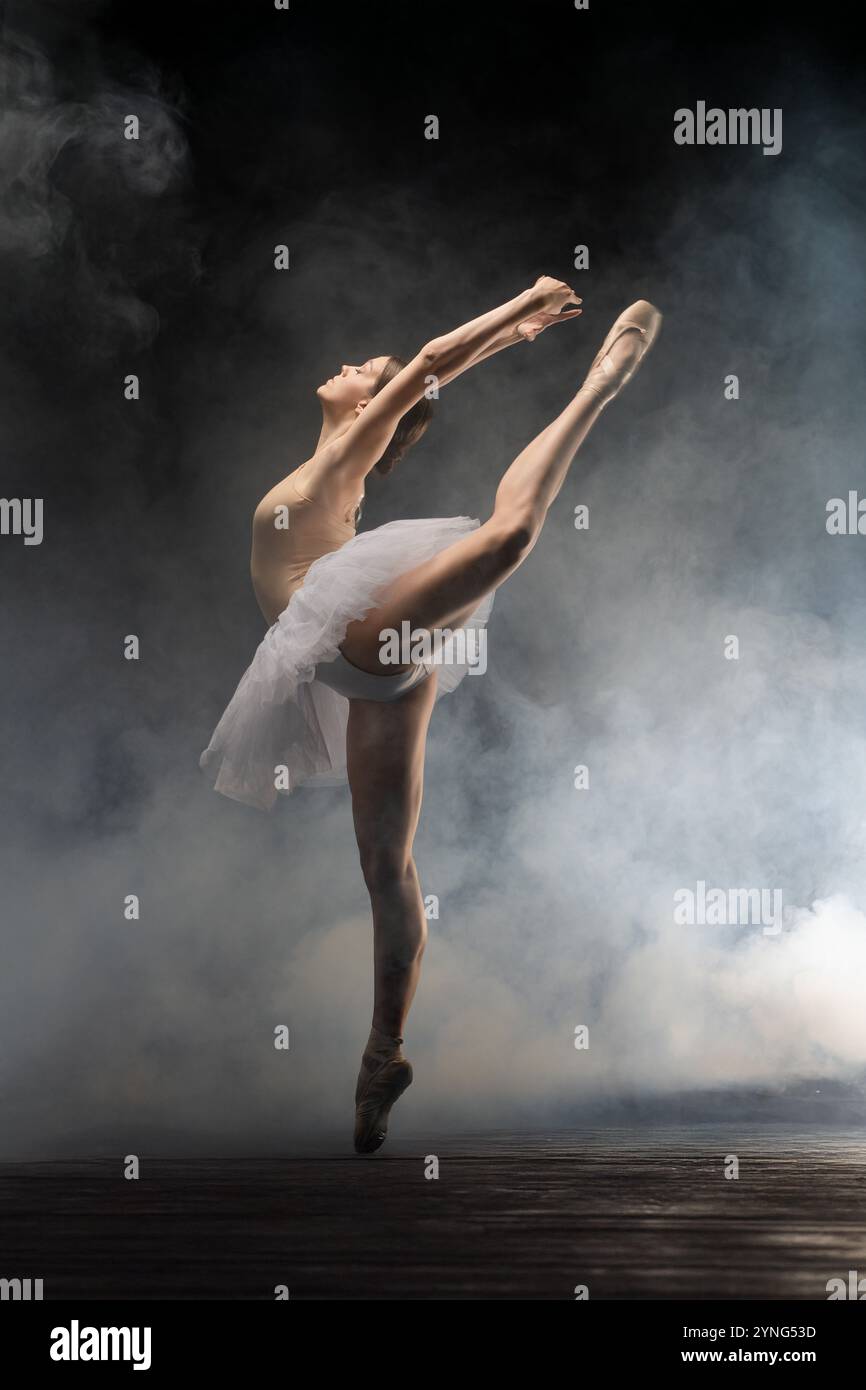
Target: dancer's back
x=290, y=530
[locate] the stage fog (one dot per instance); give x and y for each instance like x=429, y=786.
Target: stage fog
x=737, y=766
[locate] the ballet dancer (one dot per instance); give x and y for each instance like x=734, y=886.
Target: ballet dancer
x=318, y=703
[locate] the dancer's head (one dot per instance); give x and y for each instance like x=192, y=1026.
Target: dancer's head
x=347, y=395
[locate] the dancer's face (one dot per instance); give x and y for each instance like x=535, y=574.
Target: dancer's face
x=353, y=386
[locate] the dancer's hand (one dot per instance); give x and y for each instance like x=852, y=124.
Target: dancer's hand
x=536, y=323
x=551, y=295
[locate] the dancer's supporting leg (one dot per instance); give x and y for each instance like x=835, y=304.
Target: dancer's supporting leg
x=443, y=591
x=385, y=756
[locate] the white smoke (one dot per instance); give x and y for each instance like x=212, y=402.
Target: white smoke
x=75, y=191
x=556, y=905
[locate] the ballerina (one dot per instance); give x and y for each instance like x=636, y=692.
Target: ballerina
x=318, y=703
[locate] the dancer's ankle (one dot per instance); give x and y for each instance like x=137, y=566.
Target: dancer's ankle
x=595, y=395
x=381, y=1046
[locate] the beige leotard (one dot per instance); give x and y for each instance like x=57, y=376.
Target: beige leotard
x=290, y=531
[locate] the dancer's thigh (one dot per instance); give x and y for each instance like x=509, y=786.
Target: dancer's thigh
x=385, y=745
x=441, y=592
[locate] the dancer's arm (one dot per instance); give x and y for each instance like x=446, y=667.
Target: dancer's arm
x=481, y=337
x=357, y=450
x=525, y=332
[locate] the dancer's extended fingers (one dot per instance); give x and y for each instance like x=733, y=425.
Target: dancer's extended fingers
x=530, y=328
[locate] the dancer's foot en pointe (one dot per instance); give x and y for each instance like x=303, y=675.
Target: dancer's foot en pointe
x=623, y=350
x=384, y=1076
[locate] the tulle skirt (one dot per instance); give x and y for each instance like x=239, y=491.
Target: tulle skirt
x=283, y=727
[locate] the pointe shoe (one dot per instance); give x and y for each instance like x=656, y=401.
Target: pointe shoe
x=373, y=1101
x=606, y=377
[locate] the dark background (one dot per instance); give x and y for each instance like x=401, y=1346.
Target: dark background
x=262, y=127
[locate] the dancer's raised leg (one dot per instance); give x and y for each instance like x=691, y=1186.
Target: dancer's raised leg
x=443, y=591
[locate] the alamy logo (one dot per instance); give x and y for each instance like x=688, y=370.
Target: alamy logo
x=846, y=519
x=22, y=516
x=438, y=646
x=75, y=1343
x=729, y=907
x=855, y=1289
x=737, y=126
x=20, y=1290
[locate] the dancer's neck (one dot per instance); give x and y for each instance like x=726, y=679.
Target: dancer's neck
x=332, y=427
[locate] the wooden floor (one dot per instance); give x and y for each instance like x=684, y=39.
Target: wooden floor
x=632, y=1215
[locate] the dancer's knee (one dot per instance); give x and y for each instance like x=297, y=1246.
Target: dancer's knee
x=384, y=867
x=515, y=531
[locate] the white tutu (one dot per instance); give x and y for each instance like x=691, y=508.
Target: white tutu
x=280, y=716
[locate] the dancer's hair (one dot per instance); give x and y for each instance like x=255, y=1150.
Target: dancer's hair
x=411, y=425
